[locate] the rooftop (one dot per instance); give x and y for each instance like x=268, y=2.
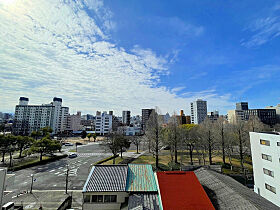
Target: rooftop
x=182, y=190
x=140, y=178
x=227, y=193
x=106, y=178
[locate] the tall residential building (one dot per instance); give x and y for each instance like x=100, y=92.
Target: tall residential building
x=198, y=111
x=30, y=118
x=265, y=149
x=145, y=116
x=103, y=123
x=126, y=118
x=242, y=112
x=74, y=122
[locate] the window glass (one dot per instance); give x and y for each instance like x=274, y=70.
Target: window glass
x=100, y=198
x=265, y=142
x=107, y=198
x=270, y=188
x=86, y=198
x=278, y=143
x=94, y=198
x=268, y=172
x=113, y=198
x=266, y=157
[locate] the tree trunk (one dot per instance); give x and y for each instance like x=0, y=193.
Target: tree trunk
x=191, y=153
x=121, y=152
x=11, y=157
x=209, y=148
x=3, y=157
x=137, y=148
x=223, y=146
x=20, y=152
x=241, y=150
x=157, y=142
x=114, y=160
x=41, y=156
x=175, y=151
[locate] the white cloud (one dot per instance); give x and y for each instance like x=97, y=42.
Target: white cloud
x=50, y=48
x=264, y=29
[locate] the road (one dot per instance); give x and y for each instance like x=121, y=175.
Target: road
x=52, y=176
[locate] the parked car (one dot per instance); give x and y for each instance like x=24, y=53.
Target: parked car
x=68, y=144
x=79, y=143
x=72, y=155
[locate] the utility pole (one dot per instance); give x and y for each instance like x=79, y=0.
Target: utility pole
x=31, y=183
x=67, y=173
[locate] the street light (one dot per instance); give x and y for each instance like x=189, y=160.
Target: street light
x=31, y=183
x=67, y=173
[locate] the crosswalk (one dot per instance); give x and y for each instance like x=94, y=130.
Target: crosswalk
x=92, y=154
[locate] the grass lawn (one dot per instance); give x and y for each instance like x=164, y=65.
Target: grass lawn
x=110, y=162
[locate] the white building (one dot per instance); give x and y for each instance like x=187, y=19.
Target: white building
x=103, y=123
x=30, y=118
x=74, y=122
x=265, y=148
x=198, y=111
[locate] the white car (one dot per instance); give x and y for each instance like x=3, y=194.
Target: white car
x=68, y=144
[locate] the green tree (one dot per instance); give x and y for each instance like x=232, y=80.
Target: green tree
x=36, y=134
x=11, y=146
x=94, y=136
x=23, y=143
x=4, y=142
x=45, y=146
x=89, y=136
x=46, y=131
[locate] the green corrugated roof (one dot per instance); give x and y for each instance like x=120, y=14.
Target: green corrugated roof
x=140, y=178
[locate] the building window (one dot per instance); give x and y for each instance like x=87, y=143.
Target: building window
x=97, y=199
x=110, y=198
x=278, y=144
x=270, y=188
x=267, y=157
x=268, y=172
x=86, y=198
x=265, y=142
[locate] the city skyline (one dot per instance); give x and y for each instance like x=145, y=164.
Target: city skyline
x=131, y=55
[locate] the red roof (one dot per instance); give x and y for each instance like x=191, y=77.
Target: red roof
x=182, y=190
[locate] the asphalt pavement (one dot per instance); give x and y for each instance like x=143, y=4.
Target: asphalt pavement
x=52, y=176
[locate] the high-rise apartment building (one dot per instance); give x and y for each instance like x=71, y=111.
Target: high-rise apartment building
x=198, y=111
x=126, y=118
x=145, y=116
x=103, y=123
x=265, y=149
x=213, y=116
x=30, y=118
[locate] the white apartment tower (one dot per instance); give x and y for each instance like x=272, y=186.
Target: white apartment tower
x=103, y=123
x=198, y=111
x=30, y=118
x=265, y=148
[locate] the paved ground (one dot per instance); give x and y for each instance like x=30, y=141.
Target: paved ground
x=52, y=176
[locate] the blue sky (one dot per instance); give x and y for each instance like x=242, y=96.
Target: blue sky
x=128, y=54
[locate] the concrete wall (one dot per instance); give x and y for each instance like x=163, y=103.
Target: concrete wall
x=259, y=164
x=112, y=206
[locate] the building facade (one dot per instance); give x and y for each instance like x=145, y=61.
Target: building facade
x=265, y=148
x=242, y=112
x=277, y=109
x=103, y=123
x=126, y=118
x=145, y=116
x=30, y=118
x=198, y=111
x=213, y=116
x=74, y=122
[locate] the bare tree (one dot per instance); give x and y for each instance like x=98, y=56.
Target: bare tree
x=220, y=132
x=153, y=132
x=254, y=124
x=173, y=133
x=136, y=140
x=207, y=137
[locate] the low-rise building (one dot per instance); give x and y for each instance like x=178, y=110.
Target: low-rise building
x=74, y=122
x=119, y=186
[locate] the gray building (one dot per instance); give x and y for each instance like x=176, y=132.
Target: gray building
x=126, y=118
x=145, y=116
x=198, y=111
